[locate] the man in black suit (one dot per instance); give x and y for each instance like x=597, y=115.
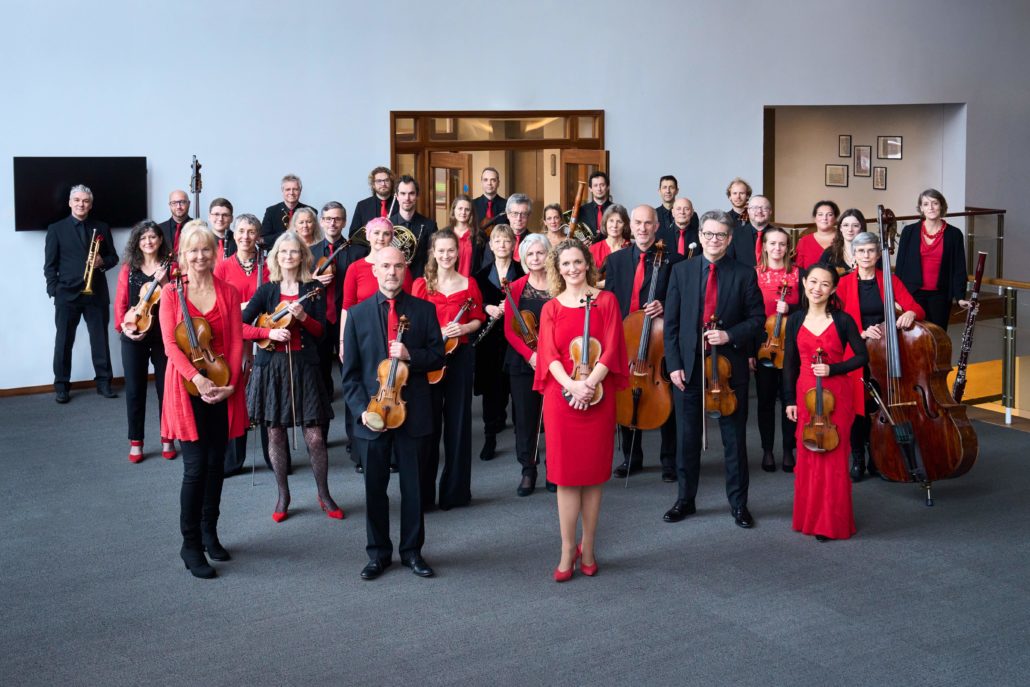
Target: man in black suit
x=739, y=192
x=277, y=217
x=379, y=204
x=419, y=225
x=370, y=324
x=711, y=284
x=64, y=266
x=628, y=275
x=489, y=207
x=747, y=238
x=591, y=213
x=683, y=231
x=668, y=187
x=179, y=205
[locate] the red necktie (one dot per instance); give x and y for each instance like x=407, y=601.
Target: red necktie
x=600, y=215
x=382, y=207
x=515, y=250
x=391, y=322
x=490, y=209
x=683, y=242
x=758, y=247
x=711, y=293
x=638, y=281
x=175, y=243
x=289, y=217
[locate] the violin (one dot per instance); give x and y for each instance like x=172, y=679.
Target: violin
x=142, y=314
x=449, y=344
x=280, y=318
x=647, y=402
x=325, y=264
x=770, y=353
x=585, y=351
x=523, y=322
x=386, y=410
x=720, y=399
x=819, y=433
x=193, y=336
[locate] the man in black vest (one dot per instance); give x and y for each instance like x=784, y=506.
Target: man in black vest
x=370, y=325
x=747, y=238
x=379, y=204
x=712, y=284
x=489, y=207
x=64, y=266
x=179, y=205
x=591, y=213
x=419, y=225
x=683, y=231
x=668, y=187
x=277, y=217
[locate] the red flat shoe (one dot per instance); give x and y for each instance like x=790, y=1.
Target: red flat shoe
x=168, y=451
x=334, y=514
x=588, y=570
x=135, y=457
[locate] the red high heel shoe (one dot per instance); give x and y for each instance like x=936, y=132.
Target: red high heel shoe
x=168, y=451
x=566, y=575
x=588, y=570
x=278, y=515
x=334, y=514
x=135, y=457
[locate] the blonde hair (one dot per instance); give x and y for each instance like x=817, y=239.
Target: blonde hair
x=275, y=272
x=556, y=282
x=432, y=268
x=195, y=229
x=316, y=227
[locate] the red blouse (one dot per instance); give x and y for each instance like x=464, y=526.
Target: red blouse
x=601, y=250
x=447, y=306
x=232, y=271
x=360, y=283
x=464, y=267
x=771, y=280
x=931, y=254
x=808, y=251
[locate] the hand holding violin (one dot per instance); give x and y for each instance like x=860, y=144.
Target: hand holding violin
x=209, y=393
x=582, y=392
x=716, y=337
x=399, y=350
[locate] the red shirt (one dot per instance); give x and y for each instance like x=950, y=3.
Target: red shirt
x=931, y=254
x=771, y=280
x=231, y=271
x=808, y=251
x=601, y=250
x=464, y=267
x=360, y=283
x=447, y=306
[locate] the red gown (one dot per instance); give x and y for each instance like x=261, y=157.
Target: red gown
x=580, y=443
x=822, y=486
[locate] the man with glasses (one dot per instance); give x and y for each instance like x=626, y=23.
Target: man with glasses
x=408, y=217
x=219, y=217
x=379, y=204
x=277, y=217
x=747, y=239
x=716, y=289
x=179, y=205
x=518, y=209
x=489, y=207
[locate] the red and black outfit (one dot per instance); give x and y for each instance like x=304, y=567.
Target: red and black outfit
x=933, y=269
x=769, y=380
x=491, y=381
x=600, y=250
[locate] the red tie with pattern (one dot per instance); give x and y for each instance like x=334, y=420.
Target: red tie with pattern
x=175, y=243
x=683, y=242
x=711, y=293
x=515, y=250
x=391, y=321
x=600, y=215
x=638, y=281
x=382, y=207
x=758, y=247
x=490, y=209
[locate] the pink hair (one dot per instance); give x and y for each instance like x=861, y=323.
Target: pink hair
x=373, y=223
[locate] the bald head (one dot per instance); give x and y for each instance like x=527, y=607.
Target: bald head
x=179, y=204
x=643, y=222
x=682, y=212
x=389, y=269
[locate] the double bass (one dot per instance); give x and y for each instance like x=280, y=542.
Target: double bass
x=919, y=433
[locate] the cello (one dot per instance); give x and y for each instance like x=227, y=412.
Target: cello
x=920, y=433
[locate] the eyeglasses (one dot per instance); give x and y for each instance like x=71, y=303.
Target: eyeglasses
x=757, y=208
x=517, y=213
x=332, y=219
x=380, y=181
x=222, y=215
x=715, y=236
x=178, y=202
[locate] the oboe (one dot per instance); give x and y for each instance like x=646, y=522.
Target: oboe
x=959, y=387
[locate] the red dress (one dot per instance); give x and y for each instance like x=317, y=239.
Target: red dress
x=822, y=486
x=580, y=443
x=601, y=250
x=808, y=251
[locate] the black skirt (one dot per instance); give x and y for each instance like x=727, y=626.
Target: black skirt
x=268, y=393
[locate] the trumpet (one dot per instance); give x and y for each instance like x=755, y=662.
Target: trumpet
x=91, y=258
x=403, y=240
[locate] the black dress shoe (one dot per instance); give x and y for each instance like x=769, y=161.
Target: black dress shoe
x=374, y=568
x=394, y=469
x=359, y=469
x=489, y=447
x=768, y=461
x=196, y=563
x=104, y=389
x=821, y=538
x=742, y=516
x=62, y=396
x=527, y=486
x=418, y=566
x=681, y=509
x=857, y=466
x=668, y=474
x=216, y=551
x=628, y=468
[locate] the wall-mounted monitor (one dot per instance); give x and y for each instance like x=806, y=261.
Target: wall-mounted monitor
x=42, y=185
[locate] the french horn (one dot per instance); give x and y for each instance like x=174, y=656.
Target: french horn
x=403, y=240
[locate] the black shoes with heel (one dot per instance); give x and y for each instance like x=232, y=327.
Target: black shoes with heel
x=196, y=563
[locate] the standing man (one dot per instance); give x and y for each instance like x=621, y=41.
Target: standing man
x=219, y=217
x=739, y=192
x=683, y=231
x=712, y=285
x=517, y=209
x=179, y=205
x=419, y=225
x=380, y=182
x=64, y=266
x=668, y=187
x=277, y=217
x=370, y=336
x=489, y=207
x=591, y=213
x=628, y=275
x=747, y=238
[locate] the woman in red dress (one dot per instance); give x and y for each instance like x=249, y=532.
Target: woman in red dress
x=810, y=247
x=471, y=242
x=822, y=489
x=448, y=289
x=580, y=436
x=616, y=236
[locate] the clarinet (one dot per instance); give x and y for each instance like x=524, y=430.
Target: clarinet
x=959, y=387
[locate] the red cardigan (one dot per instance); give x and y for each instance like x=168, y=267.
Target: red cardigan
x=177, y=413
x=847, y=292
x=121, y=297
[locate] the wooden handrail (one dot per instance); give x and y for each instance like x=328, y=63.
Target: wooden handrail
x=969, y=212
x=1010, y=283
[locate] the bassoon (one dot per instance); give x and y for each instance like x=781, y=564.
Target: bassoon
x=959, y=386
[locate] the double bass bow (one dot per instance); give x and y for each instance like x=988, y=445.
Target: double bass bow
x=193, y=336
x=585, y=351
x=958, y=389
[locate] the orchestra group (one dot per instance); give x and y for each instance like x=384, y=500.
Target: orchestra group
x=606, y=322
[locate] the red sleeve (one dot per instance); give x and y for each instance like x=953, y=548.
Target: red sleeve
x=904, y=298
x=418, y=289
x=220, y=270
x=613, y=342
x=170, y=317
x=233, y=331
x=476, y=312
x=121, y=298
x=514, y=340
x=546, y=347
x=251, y=333
x=350, y=287
x=313, y=326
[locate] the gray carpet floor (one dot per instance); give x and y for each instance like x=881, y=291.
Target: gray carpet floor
x=94, y=591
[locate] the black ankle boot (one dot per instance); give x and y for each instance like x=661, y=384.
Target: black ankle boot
x=197, y=563
x=857, y=466
x=768, y=461
x=788, y=460
x=214, y=548
x=489, y=447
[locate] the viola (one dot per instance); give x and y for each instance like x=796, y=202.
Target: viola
x=770, y=353
x=325, y=264
x=449, y=344
x=647, y=402
x=523, y=322
x=819, y=433
x=141, y=316
x=193, y=336
x=387, y=410
x=720, y=399
x=585, y=351
x=280, y=318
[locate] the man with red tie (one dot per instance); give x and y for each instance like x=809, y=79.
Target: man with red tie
x=277, y=217
x=747, y=238
x=379, y=204
x=591, y=213
x=179, y=204
x=712, y=284
x=683, y=231
x=489, y=207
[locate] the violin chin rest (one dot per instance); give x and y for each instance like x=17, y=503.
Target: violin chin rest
x=374, y=421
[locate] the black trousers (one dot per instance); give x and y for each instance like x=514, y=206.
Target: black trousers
x=769, y=387
x=732, y=428
x=937, y=306
x=491, y=381
x=328, y=351
x=66, y=319
x=452, y=418
x=236, y=454
x=375, y=456
x=634, y=439
x=137, y=357
x=525, y=405
x=202, y=460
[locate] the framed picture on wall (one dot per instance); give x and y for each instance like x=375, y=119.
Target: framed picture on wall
x=844, y=145
x=888, y=147
x=863, y=161
x=837, y=175
x=879, y=178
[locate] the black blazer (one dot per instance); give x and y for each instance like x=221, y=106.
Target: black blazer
x=366, y=210
x=64, y=262
x=909, y=268
x=342, y=260
x=479, y=206
x=665, y=219
x=422, y=227
x=365, y=347
x=671, y=236
x=168, y=231
x=622, y=267
x=847, y=332
x=739, y=306
x=492, y=294
x=588, y=215
x=742, y=248
x=272, y=224
x=265, y=300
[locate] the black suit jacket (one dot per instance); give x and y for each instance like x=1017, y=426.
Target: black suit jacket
x=267, y=298
x=64, y=263
x=366, y=210
x=665, y=220
x=365, y=347
x=588, y=215
x=168, y=231
x=739, y=306
x=622, y=268
x=479, y=206
x=742, y=248
x=272, y=224
x=422, y=227
x=952, y=278
x=671, y=236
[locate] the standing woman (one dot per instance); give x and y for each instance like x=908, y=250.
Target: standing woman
x=471, y=244
x=447, y=289
x=142, y=264
x=811, y=246
x=840, y=255
x=205, y=423
x=529, y=294
x=822, y=492
x=617, y=235
x=931, y=260
x=774, y=269
x=286, y=387
x=582, y=436
x=553, y=225
x=491, y=381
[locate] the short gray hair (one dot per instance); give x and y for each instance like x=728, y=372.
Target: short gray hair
x=720, y=216
x=291, y=177
x=246, y=218
x=865, y=238
x=518, y=199
x=80, y=188
x=334, y=205
x=528, y=242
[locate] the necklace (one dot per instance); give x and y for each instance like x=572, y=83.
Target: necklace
x=247, y=266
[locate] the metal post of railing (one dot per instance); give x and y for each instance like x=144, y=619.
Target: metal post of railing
x=1000, y=244
x=970, y=242
x=1008, y=360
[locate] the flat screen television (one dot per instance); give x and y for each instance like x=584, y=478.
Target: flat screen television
x=42, y=185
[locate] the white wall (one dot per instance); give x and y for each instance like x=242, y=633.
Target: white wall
x=256, y=89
